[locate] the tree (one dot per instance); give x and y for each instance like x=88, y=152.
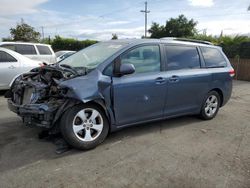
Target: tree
x=114, y=36
x=175, y=27
x=157, y=30
x=24, y=32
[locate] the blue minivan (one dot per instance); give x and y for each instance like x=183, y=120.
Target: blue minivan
x=119, y=83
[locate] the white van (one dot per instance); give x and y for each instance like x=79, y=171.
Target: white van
x=35, y=51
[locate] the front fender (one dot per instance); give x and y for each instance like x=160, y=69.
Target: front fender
x=93, y=87
x=87, y=88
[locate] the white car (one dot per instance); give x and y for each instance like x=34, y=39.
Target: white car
x=13, y=64
x=36, y=51
x=60, y=55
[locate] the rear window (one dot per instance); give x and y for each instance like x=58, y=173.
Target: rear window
x=25, y=49
x=182, y=57
x=213, y=57
x=43, y=50
x=5, y=57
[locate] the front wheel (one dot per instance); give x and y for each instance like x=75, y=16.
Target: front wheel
x=210, y=105
x=84, y=126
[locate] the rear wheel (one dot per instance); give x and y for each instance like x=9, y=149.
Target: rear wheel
x=84, y=126
x=210, y=105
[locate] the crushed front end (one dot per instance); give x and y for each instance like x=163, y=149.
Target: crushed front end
x=36, y=96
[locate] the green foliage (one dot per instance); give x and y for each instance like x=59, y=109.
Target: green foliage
x=157, y=30
x=7, y=39
x=175, y=27
x=181, y=27
x=24, y=32
x=114, y=36
x=60, y=43
x=233, y=46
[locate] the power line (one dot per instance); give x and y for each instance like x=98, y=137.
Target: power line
x=146, y=11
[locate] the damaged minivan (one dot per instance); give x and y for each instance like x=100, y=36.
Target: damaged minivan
x=115, y=84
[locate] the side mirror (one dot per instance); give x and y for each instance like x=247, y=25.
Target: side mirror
x=126, y=69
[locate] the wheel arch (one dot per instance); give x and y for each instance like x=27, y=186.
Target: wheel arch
x=102, y=105
x=219, y=91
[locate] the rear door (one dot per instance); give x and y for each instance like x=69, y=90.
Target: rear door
x=27, y=50
x=188, y=80
x=140, y=96
x=46, y=54
x=9, y=68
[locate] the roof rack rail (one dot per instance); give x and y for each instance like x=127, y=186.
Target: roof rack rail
x=187, y=40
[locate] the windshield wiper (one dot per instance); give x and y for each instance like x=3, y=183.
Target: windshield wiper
x=69, y=68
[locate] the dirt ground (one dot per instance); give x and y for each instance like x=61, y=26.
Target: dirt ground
x=181, y=152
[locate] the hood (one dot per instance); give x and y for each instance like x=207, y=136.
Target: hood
x=87, y=87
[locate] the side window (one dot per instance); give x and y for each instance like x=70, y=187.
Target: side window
x=213, y=57
x=182, y=57
x=5, y=57
x=109, y=70
x=9, y=46
x=25, y=49
x=144, y=58
x=43, y=50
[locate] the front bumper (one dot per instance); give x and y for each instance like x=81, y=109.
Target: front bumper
x=41, y=115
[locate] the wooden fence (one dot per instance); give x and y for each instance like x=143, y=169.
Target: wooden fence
x=242, y=68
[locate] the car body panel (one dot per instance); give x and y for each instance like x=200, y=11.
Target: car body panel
x=146, y=96
x=10, y=70
x=139, y=98
x=181, y=88
x=48, y=59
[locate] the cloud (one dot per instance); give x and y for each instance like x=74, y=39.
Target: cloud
x=229, y=27
x=117, y=22
x=15, y=7
x=134, y=32
x=201, y=3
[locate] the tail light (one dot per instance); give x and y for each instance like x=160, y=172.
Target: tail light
x=232, y=73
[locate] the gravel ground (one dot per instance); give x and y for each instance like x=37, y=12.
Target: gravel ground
x=181, y=152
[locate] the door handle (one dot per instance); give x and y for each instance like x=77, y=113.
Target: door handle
x=11, y=67
x=160, y=80
x=174, y=79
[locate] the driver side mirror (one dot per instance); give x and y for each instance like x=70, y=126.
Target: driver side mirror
x=126, y=69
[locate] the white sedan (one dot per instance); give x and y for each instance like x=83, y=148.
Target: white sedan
x=13, y=64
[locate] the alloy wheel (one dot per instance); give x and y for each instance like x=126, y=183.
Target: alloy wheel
x=87, y=124
x=211, y=105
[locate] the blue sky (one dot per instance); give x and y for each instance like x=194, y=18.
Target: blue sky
x=98, y=19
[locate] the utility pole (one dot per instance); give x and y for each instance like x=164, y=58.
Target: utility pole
x=146, y=11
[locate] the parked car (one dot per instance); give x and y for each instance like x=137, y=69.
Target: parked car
x=116, y=84
x=36, y=51
x=13, y=64
x=60, y=55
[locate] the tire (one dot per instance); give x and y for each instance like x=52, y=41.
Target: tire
x=84, y=126
x=210, y=106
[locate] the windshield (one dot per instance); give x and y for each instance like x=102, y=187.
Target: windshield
x=92, y=56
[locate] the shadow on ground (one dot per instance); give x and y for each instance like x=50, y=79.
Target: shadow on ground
x=20, y=145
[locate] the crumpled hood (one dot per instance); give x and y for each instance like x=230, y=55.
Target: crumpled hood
x=87, y=87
